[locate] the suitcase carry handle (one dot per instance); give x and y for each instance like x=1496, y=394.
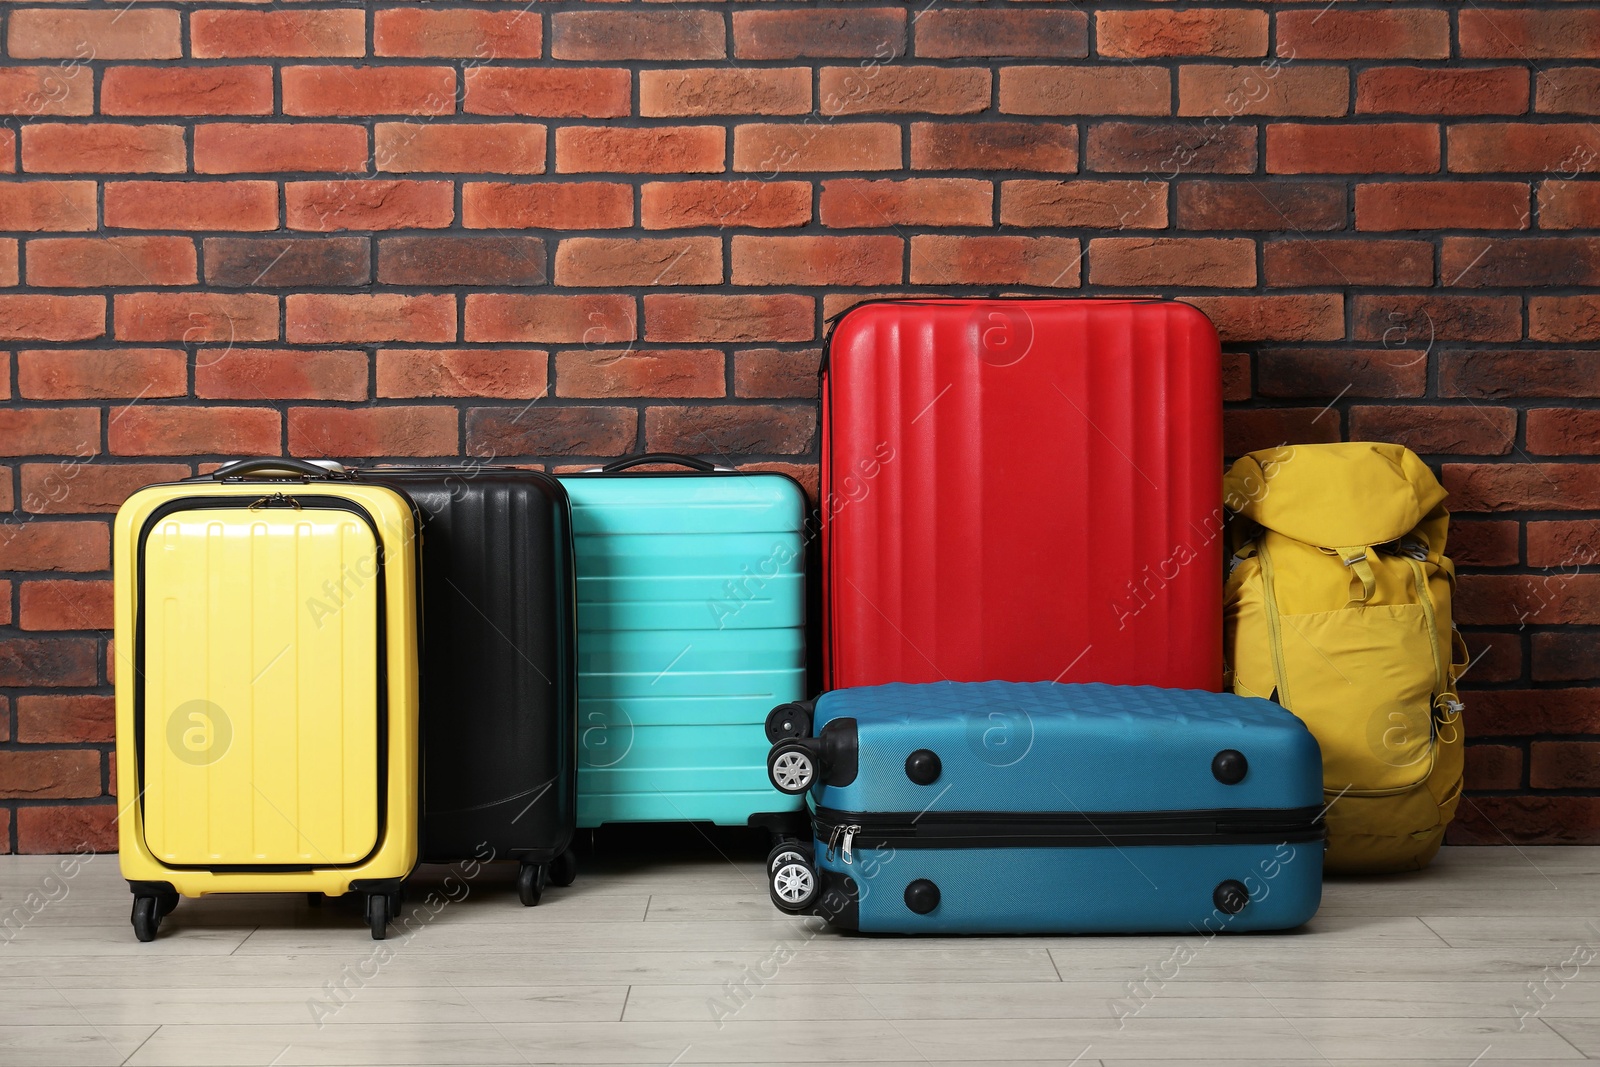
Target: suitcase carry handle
x=281, y=464
x=692, y=462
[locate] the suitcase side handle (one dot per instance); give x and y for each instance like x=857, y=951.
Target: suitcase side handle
x=278, y=464
x=692, y=462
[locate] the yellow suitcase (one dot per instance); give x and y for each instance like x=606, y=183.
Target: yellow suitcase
x=266, y=670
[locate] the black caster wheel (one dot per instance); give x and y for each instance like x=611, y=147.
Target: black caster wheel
x=531, y=880
x=378, y=915
x=146, y=917
x=791, y=767
x=791, y=879
x=787, y=850
x=166, y=902
x=397, y=900
x=565, y=869
x=315, y=899
x=788, y=721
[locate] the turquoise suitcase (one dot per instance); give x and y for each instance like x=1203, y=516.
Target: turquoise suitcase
x=691, y=627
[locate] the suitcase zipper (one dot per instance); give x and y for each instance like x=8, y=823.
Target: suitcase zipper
x=1007, y=829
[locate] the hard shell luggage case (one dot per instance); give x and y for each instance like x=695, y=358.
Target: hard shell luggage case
x=691, y=626
x=1001, y=807
x=499, y=683
x=266, y=693
x=1022, y=489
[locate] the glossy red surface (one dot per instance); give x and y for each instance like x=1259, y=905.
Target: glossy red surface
x=1025, y=490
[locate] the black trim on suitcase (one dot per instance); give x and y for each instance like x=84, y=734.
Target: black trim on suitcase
x=1054, y=829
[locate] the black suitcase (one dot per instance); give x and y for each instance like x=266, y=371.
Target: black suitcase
x=499, y=668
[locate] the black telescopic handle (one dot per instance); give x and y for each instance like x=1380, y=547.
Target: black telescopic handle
x=657, y=457
x=281, y=464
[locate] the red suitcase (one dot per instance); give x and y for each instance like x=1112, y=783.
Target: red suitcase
x=1023, y=490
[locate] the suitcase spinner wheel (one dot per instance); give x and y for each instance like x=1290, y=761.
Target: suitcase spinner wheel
x=564, y=871
x=531, y=880
x=792, y=878
x=792, y=765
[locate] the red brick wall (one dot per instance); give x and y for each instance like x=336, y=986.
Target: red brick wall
x=574, y=230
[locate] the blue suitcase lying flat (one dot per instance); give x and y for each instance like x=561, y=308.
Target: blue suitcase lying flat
x=1003, y=807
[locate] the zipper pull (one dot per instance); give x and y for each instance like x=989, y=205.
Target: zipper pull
x=833, y=842
x=849, y=836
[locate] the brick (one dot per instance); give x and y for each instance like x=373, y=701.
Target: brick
x=254, y=148
x=63, y=719
x=702, y=91
x=640, y=372
x=1171, y=148
x=1567, y=90
x=1085, y=91
x=483, y=36
x=1493, y=767
x=1485, y=544
x=1256, y=428
x=593, y=319
x=1526, y=34
x=954, y=34
x=586, y=92
x=780, y=149
x=834, y=261
x=756, y=204
x=1563, y=432
x=102, y=148
x=287, y=262
x=94, y=374
x=543, y=431
x=1214, y=32
x=1564, y=318
x=280, y=374
x=1563, y=544
x=1442, y=91
x=861, y=202
x=228, y=34
x=1522, y=487
x=1490, y=147
x=57, y=33
x=1106, y=205
x=10, y=267
x=1520, y=261
x=437, y=261
x=1442, y=317
x=47, y=90
x=87, y=489
x=1370, y=148
x=506, y=373
x=731, y=429
x=52, y=773
x=476, y=148
x=243, y=90
x=677, y=34
x=875, y=32
x=1347, y=262
x=1293, y=373
x=29, y=317
x=1053, y=262
x=1298, y=317
x=698, y=319
x=656, y=150
x=367, y=204
x=191, y=205
x=64, y=605
x=1162, y=261
x=387, y=431
x=1392, y=34
x=1564, y=596
x=619, y=261
x=155, y=430
x=1226, y=92
x=55, y=546
x=318, y=318
x=48, y=432
x=48, y=661
x=360, y=91
x=1519, y=373
x=902, y=90
x=194, y=317
x=769, y=372
x=1252, y=204
x=1566, y=657
x=1441, y=205
x=44, y=829
x=547, y=205
x=45, y=206
x=1466, y=430
x=994, y=146
x=1569, y=205
x=92, y=262
x=1564, y=764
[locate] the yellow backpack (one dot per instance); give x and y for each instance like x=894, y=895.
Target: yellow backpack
x=1338, y=605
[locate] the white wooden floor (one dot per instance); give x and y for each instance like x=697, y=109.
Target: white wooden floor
x=635, y=964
